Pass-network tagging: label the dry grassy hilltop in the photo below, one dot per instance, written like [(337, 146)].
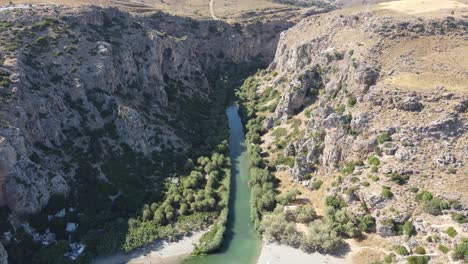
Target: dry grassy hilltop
[(234, 11)]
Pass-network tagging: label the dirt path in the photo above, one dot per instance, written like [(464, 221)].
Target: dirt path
[(212, 10)]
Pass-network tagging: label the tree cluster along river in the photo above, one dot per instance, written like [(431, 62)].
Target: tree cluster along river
[(240, 244)]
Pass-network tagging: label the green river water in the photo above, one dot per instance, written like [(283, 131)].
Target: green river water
[(240, 244)]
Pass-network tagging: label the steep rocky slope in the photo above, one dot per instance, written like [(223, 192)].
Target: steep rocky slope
[(371, 108), (99, 108), (85, 87)]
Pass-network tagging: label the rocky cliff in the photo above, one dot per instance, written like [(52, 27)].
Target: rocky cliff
[(373, 107), (82, 87)]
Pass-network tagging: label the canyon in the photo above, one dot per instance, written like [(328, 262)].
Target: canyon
[(109, 112)]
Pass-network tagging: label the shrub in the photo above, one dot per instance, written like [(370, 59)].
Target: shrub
[(366, 223), (373, 160), (378, 151), (454, 204), (418, 259), (424, 196), (408, 228), (10, 46), (348, 168), (383, 137), (386, 192), (42, 42), (459, 218), (5, 24), (4, 83), (335, 201), (443, 249), (398, 178), (283, 160), (340, 109), (288, 196), (317, 184), (305, 214), (388, 259), (420, 250), (451, 232), (44, 24), (279, 132), (435, 206), (402, 251), (351, 101), (433, 238), (461, 250)]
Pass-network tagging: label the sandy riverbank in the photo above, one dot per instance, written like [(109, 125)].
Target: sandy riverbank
[(274, 253), (161, 252)]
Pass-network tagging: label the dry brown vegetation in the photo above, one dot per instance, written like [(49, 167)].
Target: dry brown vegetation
[(232, 10)]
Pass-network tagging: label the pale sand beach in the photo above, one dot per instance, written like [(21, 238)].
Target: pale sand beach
[(274, 253), (161, 252)]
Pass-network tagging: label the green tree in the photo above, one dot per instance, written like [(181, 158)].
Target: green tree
[(323, 237)]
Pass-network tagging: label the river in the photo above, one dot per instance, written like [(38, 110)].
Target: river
[(241, 244)]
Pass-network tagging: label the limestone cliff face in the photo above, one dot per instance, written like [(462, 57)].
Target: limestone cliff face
[(367, 104), (318, 68), (93, 83)]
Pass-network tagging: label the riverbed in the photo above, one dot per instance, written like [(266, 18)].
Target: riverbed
[(241, 244)]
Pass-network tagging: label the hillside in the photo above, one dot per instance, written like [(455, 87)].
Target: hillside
[(369, 108), (101, 108)]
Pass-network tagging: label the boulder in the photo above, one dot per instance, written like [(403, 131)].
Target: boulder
[(290, 150), (300, 169), (449, 126), (385, 228), (445, 159), (409, 104), (461, 106), (374, 201), (389, 149), (367, 76), (403, 154), (360, 121), (419, 226)]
